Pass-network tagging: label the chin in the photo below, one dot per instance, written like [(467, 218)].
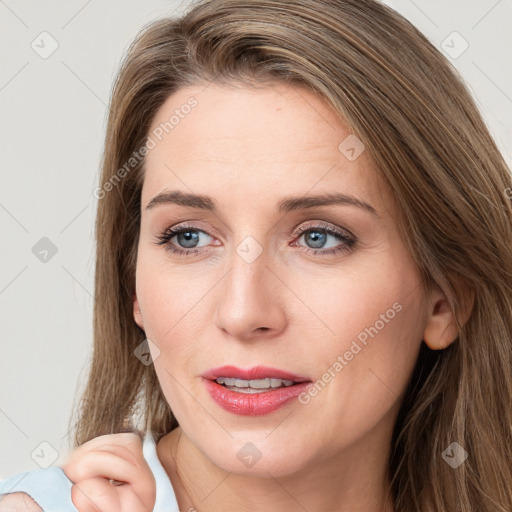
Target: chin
[(255, 456)]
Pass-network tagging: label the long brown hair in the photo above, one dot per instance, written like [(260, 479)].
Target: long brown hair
[(411, 109)]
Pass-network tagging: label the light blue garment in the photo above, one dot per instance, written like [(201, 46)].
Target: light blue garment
[(51, 488)]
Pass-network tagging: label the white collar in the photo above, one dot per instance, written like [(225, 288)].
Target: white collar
[(165, 496)]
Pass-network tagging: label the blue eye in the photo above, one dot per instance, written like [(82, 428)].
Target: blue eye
[(317, 235), (188, 236)]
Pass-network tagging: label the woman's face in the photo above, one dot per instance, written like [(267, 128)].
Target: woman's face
[(267, 276)]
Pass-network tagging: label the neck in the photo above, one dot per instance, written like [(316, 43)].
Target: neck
[(356, 479)]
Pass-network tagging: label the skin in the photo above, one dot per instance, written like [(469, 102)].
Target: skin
[(248, 148)]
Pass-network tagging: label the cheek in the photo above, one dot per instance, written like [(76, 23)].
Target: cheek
[(364, 371), (171, 298), (361, 293)]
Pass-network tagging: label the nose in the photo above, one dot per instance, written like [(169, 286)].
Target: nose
[(250, 304)]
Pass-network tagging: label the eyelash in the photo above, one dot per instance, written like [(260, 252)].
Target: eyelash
[(349, 240)]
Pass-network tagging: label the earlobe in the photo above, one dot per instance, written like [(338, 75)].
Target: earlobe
[(137, 314)]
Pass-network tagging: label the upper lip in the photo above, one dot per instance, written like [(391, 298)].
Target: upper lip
[(256, 372)]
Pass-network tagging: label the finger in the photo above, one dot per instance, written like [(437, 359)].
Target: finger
[(95, 495), (129, 439), (131, 452), (102, 463), (98, 495), (105, 464)]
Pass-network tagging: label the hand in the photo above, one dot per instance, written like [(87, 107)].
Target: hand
[(117, 457)]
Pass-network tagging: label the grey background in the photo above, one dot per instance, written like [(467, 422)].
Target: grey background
[(53, 117)]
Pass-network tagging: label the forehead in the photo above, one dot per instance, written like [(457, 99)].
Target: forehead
[(255, 142), (238, 117)]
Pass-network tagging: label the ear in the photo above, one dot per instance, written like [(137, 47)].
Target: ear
[(137, 314), (441, 329)]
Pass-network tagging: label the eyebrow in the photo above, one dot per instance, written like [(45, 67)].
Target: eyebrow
[(287, 204)]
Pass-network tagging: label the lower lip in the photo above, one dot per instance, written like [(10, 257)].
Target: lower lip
[(254, 404)]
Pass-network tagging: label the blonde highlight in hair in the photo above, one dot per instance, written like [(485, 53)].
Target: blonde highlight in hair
[(411, 109)]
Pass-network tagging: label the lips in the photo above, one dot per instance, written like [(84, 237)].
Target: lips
[(259, 401), (254, 373)]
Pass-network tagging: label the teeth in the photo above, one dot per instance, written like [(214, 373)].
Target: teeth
[(260, 383), (253, 386)]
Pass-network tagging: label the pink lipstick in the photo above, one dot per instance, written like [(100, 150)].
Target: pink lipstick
[(253, 391)]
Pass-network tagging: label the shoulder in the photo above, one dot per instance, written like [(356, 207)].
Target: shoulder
[(18, 502), (47, 489)]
